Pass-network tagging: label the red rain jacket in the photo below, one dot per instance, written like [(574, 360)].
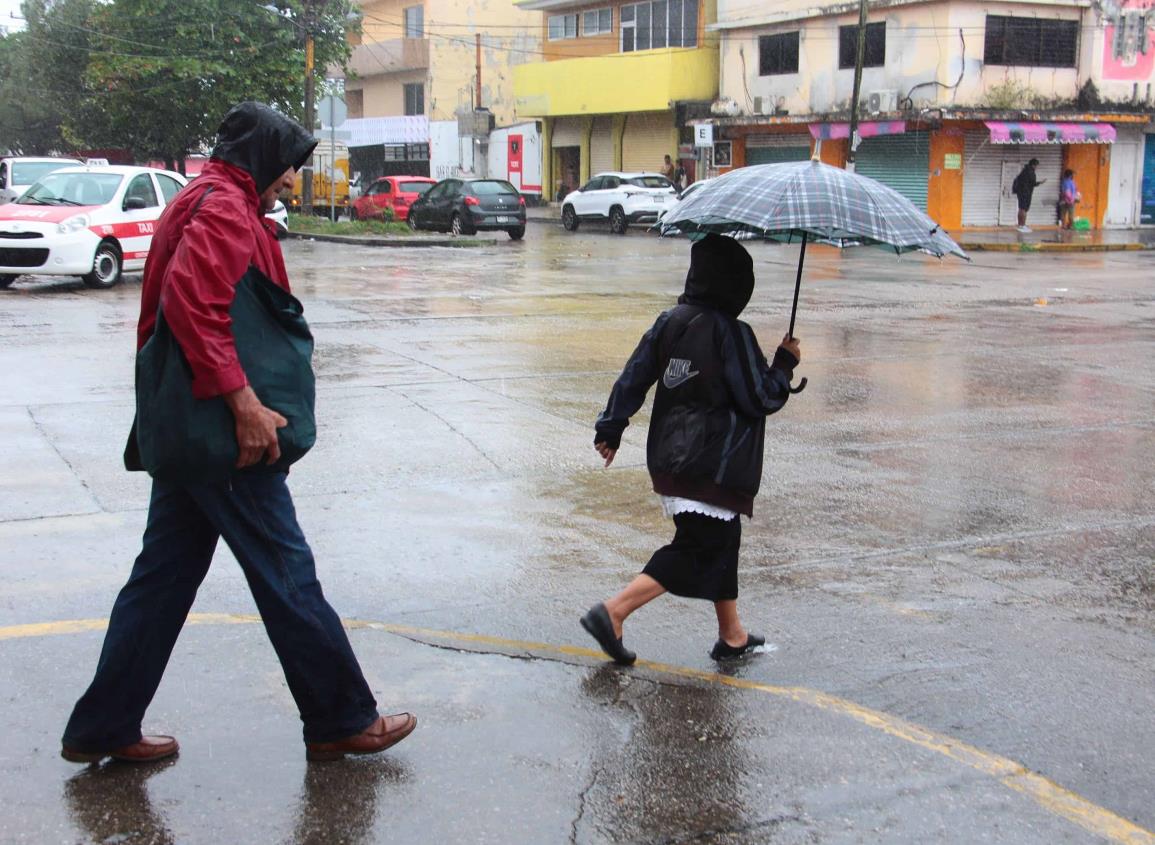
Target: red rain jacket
[(194, 265)]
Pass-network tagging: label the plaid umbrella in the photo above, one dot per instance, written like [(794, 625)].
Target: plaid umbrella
[(804, 201), (787, 201)]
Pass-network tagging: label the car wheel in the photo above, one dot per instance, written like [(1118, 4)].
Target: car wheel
[(6, 280), (412, 221), (569, 219), (617, 221), (516, 234), (455, 224), (353, 215), (106, 267)]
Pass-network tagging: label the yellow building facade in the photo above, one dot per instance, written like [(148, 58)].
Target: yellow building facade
[(616, 84)]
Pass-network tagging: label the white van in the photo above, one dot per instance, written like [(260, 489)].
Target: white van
[(19, 173)]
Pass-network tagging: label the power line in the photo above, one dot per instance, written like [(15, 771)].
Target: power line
[(170, 56)]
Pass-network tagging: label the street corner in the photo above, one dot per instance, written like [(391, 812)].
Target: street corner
[(516, 742)]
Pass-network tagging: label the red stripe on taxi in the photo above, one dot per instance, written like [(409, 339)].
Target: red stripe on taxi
[(135, 229)]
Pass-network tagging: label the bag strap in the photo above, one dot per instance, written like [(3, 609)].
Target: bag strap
[(200, 202)]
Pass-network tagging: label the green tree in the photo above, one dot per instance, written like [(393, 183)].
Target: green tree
[(41, 75), (154, 77), (166, 71)]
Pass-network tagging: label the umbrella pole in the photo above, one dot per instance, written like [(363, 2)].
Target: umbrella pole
[(794, 311), (797, 284)]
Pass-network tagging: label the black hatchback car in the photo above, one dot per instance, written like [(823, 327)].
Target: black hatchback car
[(466, 206)]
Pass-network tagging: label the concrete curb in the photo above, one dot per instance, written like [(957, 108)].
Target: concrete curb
[(386, 241), (1054, 247)]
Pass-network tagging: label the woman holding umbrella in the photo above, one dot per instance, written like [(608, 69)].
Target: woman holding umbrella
[(704, 450)]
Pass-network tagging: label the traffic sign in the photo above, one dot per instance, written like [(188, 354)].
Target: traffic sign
[(332, 111)]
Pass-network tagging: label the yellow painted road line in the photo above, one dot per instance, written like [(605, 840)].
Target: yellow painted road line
[(1046, 793)]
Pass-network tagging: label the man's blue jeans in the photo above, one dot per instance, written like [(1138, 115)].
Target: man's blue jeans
[(254, 514)]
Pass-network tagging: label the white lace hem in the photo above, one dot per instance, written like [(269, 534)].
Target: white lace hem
[(672, 505)]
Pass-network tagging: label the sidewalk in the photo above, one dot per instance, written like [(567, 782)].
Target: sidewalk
[(1006, 239), (1055, 240), (393, 240)]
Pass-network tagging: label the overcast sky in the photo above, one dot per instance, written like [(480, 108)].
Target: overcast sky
[(7, 9)]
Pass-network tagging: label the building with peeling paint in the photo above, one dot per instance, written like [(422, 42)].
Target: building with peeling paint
[(447, 64), (955, 98), (617, 84)]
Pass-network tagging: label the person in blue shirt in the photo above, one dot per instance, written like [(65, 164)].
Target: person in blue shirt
[(1068, 196)]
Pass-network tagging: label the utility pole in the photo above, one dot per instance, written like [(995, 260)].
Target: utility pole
[(313, 9), (477, 47), (310, 115), (858, 60)]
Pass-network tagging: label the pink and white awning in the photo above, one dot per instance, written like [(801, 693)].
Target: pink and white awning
[(867, 129), (1010, 132)]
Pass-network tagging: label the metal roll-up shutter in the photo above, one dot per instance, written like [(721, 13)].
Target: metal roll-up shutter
[(567, 132), (1126, 175), (901, 162), (1046, 198), (982, 178), (772, 149), (989, 170), (602, 145), (648, 139)]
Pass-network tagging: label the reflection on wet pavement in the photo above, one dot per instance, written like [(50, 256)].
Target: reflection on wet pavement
[(955, 527), (338, 803), (110, 803)]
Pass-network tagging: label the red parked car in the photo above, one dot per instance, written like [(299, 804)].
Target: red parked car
[(394, 192)]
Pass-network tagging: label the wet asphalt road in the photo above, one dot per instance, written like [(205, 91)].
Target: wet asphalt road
[(952, 555)]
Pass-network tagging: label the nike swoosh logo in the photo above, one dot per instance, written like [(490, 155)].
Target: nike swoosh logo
[(672, 381)]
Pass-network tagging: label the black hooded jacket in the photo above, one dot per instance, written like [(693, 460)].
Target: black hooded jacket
[(715, 388), (262, 142)]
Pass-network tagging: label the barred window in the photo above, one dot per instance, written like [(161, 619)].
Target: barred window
[(414, 98), (874, 55), (1030, 42), (778, 54)]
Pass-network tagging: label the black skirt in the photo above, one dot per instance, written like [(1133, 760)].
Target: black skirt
[(702, 560)]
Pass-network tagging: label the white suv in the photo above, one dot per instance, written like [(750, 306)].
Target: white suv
[(621, 198), (19, 173)]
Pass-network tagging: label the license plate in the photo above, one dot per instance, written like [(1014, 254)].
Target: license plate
[(502, 219)]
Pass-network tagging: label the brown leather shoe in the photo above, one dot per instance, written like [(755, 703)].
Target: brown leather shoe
[(386, 732), (147, 750)]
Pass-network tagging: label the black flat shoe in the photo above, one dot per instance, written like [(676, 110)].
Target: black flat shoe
[(597, 623), (724, 651)]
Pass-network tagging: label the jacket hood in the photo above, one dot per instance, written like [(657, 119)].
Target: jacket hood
[(262, 142), (721, 275)]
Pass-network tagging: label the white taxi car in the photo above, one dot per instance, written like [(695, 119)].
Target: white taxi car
[(93, 221), (621, 198)]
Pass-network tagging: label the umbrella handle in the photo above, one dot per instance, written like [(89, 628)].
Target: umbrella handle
[(801, 386)]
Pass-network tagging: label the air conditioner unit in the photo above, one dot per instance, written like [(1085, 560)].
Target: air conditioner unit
[(882, 101)]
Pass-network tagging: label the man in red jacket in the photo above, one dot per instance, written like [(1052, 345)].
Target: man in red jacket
[(206, 240)]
